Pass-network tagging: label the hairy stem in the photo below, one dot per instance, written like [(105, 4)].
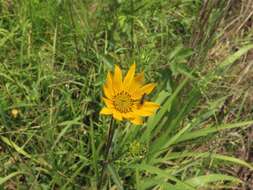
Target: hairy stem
[(107, 151)]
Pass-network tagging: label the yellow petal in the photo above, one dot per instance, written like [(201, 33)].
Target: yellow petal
[(129, 77), (105, 111), (109, 84), (117, 79), (108, 92), (139, 78), (109, 79), (108, 102), (128, 115), (150, 105), (137, 82), (144, 112), (117, 115), (137, 121), (147, 89), (147, 109)]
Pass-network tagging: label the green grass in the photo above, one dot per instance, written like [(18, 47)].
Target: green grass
[(54, 58)]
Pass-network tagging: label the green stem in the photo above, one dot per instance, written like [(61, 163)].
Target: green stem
[(107, 151)]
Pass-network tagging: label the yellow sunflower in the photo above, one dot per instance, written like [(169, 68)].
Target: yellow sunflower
[(124, 97)]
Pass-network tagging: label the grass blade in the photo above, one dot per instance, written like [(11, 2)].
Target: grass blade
[(201, 181), (115, 176), (8, 177)]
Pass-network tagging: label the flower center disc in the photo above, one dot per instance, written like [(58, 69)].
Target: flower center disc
[(123, 102)]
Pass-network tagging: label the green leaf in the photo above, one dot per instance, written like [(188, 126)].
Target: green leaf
[(232, 58), (161, 173), (115, 176), (65, 129), (23, 152), (201, 181), (163, 95), (152, 182), (165, 140), (166, 106), (209, 130), (8, 35), (182, 155), (8, 177)]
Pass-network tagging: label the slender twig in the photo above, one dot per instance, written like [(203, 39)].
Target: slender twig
[(107, 151)]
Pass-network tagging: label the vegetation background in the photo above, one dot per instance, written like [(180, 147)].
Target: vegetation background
[(54, 56)]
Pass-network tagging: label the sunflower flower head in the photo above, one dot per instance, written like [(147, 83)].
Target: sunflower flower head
[(124, 98)]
